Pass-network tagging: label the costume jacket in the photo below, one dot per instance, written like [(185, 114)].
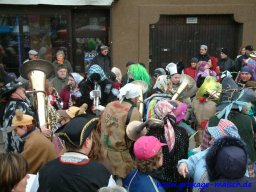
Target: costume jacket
[(73, 172), (38, 150), (115, 142), (137, 181), (12, 142)]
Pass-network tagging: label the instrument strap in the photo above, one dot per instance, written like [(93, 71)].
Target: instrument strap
[(129, 115)]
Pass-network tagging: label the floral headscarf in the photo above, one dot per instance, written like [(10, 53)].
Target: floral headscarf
[(161, 83), (164, 111)]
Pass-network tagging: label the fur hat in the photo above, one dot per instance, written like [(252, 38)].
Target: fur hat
[(227, 158), (20, 119), (73, 111)]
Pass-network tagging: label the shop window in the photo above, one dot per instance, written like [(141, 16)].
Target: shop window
[(43, 33)]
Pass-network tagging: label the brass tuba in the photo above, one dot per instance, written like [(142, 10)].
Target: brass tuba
[(187, 88), (37, 71)]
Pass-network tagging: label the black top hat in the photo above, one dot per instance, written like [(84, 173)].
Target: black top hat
[(78, 129)]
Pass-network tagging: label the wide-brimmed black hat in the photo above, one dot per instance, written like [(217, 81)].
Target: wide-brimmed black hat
[(234, 96), (10, 87), (78, 129)]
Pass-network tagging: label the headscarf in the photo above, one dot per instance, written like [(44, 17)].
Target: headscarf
[(117, 71), (161, 83), (201, 71), (164, 111), (96, 69), (77, 77), (129, 91)]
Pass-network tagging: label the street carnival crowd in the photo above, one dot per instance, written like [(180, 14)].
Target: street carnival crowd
[(180, 129)]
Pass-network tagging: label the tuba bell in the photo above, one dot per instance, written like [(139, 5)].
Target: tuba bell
[(187, 88), (37, 71)]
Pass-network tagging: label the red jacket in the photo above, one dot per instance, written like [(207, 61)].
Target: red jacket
[(190, 71)]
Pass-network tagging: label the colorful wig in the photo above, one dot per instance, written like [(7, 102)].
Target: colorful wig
[(139, 72)]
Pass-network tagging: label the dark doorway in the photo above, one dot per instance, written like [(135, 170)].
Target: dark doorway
[(178, 38)]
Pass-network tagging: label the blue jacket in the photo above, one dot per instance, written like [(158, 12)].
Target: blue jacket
[(137, 181)]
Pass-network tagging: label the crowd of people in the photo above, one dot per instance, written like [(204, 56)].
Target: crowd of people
[(190, 129)]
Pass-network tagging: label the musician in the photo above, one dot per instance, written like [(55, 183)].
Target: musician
[(71, 94), (38, 150), (96, 76), (114, 120), (204, 104), (13, 97), (176, 82)]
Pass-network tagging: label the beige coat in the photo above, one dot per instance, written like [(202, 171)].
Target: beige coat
[(38, 150), (115, 142)]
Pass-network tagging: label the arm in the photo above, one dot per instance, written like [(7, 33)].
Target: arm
[(187, 167)]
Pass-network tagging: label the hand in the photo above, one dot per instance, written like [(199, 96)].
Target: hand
[(100, 108), (183, 169), (46, 132)]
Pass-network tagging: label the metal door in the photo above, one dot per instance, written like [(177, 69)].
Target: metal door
[(178, 38)]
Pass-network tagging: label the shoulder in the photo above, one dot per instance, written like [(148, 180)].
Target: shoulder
[(98, 167)]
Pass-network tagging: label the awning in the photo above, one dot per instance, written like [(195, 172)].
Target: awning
[(58, 2)]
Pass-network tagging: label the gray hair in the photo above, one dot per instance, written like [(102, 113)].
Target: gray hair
[(112, 189), (60, 52)]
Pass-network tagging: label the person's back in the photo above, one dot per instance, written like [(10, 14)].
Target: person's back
[(74, 171), (137, 181), (62, 175)]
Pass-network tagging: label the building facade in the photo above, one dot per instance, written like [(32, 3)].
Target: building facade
[(154, 32)]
